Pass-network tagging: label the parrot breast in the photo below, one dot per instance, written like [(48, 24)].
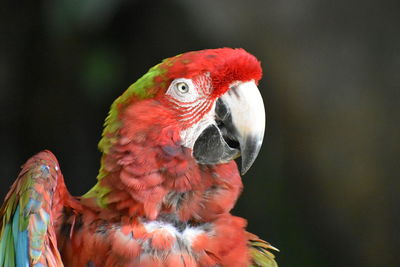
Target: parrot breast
[(166, 241)]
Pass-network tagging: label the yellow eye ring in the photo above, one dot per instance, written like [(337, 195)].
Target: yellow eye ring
[(182, 87)]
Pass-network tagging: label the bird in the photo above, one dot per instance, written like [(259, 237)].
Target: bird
[(168, 178)]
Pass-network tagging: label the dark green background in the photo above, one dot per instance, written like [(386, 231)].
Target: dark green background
[(325, 187)]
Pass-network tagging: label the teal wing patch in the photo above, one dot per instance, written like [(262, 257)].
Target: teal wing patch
[(27, 237)]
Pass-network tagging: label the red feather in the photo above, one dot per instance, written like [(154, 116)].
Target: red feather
[(154, 205), (225, 65)]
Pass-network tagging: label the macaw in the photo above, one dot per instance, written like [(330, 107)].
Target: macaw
[(168, 177)]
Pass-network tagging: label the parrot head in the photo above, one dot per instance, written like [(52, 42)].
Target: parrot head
[(207, 101)]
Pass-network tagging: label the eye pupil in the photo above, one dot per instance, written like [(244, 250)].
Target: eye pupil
[(183, 87)]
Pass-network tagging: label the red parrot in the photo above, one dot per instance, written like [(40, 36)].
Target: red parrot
[(167, 180)]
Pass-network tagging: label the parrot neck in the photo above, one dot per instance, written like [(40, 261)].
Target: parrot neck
[(147, 172)]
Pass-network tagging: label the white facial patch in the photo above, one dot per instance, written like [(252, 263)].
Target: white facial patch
[(190, 134), (191, 98)]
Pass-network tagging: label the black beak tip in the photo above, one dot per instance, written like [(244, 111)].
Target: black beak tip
[(245, 165), (249, 154)]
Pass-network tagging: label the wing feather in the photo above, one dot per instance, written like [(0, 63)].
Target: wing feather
[(27, 236), (260, 252)]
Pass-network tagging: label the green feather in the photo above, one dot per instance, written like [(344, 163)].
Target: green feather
[(141, 89), (7, 256), (261, 255), (11, 250), (9, 210), (99, 193), (3, 243)]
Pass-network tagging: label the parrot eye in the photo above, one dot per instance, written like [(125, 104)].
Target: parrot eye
[(182, 87), (182, 90)]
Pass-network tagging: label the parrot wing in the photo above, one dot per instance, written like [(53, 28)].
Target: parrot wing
[(260, 252), (27, 236)]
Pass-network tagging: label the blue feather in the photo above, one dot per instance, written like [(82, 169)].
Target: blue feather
[(7, 252), (32, 206), (35, 253), (38, 230), (22, 249), (26, 215), (15, 226), (20, 242)]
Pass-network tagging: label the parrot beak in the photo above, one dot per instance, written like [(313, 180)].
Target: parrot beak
[(239, 129)]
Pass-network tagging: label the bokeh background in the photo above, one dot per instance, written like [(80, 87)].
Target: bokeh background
[(325, 187)]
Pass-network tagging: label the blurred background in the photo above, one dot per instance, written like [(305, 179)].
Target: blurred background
[(325, 187)]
